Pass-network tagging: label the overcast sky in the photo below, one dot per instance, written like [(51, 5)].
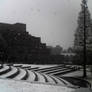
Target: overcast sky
[(54, 21)]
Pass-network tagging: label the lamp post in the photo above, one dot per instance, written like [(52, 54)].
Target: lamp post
[(84, 48)]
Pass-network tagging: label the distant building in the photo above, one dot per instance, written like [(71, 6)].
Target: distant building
[(13, 27), (55, 50), (18, 44)]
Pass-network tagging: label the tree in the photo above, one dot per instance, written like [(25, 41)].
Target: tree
[(79, 34), (83, 35)]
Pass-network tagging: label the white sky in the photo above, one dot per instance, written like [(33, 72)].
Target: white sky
[(54, 21)]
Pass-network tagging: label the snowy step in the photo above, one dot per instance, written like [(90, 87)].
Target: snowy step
[(63, 72), (45, 70), (31, 76), (26, 76), (49, 79), (36, 68), (53, 80), (22, 74), (49, 68), (26, 67), (56, 70), (65, 82), (17, 65), (46, 78), (59, 71), (5, 69), (58, 80), (39, 77), (42, 78), (1, 66), (11, 74)]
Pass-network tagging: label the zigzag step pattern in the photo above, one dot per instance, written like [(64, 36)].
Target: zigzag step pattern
[(44, 75)]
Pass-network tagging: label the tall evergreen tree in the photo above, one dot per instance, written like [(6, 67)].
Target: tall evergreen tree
[(83, 36), (79, 34)]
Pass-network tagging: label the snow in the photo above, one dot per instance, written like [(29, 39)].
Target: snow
[(34, 65), (20, 75), (29, 85), (79, 74), (50, 80), (31, 76), (40, 77), (4, 68), (52, 70), (22, 86), (75, 73), (62, 71), (13, 71), (58, 81)]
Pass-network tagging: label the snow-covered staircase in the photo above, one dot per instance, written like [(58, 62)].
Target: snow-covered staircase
[(33, 74)]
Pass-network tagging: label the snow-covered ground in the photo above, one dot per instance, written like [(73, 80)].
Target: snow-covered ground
[(7, 85), (13, 70), (80, 74), (43, 83), (35, 65)]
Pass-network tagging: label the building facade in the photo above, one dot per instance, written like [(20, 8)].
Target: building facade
[(18, 45)]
